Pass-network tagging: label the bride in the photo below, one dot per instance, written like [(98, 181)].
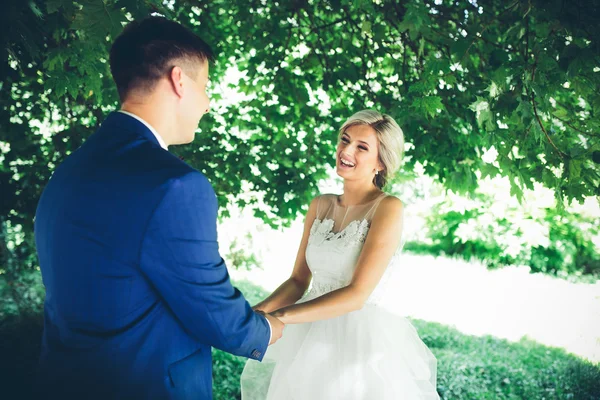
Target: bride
[(339, 342)]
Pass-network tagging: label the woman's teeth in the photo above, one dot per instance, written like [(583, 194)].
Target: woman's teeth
[(346, 163)]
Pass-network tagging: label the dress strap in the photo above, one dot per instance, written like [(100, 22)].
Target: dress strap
[(324, 204), (371, 212), (344, 219)]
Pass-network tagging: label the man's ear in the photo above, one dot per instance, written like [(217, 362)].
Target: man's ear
[(176, 79)]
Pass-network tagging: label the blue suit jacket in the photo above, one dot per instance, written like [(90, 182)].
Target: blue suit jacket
[(136, 291)]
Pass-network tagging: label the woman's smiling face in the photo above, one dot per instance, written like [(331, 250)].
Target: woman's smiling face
[(357, 155)]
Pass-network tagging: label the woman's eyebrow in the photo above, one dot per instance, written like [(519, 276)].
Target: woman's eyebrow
[(361, 141)]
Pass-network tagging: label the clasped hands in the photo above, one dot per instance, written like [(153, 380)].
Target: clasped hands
[(276, 324)]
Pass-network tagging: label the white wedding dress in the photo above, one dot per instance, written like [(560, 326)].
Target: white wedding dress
[(369, 354)]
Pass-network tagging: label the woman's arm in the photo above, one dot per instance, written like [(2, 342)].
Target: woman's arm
[(290, 291), (382, 242)]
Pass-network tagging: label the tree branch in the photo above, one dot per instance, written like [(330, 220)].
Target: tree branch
[(324, 61), (574, 128), (535, 111), (318, 28), (485, 27)]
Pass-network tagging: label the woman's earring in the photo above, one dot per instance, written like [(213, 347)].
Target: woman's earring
[(376, 172)]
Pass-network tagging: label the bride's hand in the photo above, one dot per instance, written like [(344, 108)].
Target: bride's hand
[(280, 315), (260, 308)]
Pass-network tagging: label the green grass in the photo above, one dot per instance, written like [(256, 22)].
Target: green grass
[(469, 367)]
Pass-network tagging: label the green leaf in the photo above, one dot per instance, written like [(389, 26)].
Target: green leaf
[(421, 87), (596, 103), (35, 10), (525, 109), (53, 6), (560, 112), (548, 178), (99, 19), (493, 90), (415, 20), (479, 105), (459, 48), (515, 190), (489, 170), (366, 27), (428, 105), (450, 79), (139, 9), (483, 114), (54, 61), (574, 170), (462, 180)]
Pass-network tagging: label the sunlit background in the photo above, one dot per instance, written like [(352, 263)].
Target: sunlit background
[(505, 302), (511, 302)]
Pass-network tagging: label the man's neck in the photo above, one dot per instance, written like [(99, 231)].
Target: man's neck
[(153, 118)]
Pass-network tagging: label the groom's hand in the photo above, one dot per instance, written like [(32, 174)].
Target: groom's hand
[(276, 328)]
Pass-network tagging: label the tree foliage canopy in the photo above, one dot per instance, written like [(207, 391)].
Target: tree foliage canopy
[(518, 79)]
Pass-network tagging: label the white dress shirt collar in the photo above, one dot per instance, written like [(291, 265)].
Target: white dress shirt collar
[(160, 139)]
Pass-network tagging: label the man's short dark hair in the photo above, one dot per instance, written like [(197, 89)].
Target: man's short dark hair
[(146, 51)]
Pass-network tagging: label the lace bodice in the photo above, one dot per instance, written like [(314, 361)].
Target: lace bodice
[(332, 257)]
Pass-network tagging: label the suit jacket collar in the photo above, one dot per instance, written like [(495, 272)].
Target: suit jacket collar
[(156, 134), (122, 121)]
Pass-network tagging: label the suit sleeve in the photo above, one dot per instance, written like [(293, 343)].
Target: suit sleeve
[(180, 256)]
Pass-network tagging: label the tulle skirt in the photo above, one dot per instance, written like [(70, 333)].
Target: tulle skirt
[(367, 354)]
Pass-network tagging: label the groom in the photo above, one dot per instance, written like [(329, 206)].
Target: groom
[(136, 291)]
